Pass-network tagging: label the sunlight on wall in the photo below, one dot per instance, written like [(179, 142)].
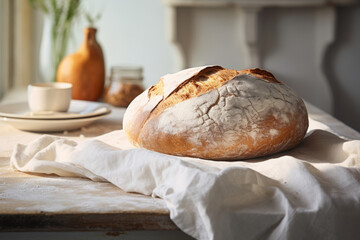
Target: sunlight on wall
[(130, 33)]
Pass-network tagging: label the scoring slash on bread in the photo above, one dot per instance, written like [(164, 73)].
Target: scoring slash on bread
[(215, 113)]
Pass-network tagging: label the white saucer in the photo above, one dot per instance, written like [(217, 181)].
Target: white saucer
[(77, 109), (81, 113), (49, 125)]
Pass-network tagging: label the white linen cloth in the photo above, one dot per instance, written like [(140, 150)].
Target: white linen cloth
[(310, 192)]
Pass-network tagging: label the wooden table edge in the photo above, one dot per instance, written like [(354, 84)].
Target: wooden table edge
[(85, 222)]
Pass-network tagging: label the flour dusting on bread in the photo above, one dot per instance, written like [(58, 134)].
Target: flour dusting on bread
[(222, 114)]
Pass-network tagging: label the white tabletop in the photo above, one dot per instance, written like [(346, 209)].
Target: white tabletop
[(25, 197), (31, 202)]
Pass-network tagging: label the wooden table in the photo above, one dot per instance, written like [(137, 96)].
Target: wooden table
[(47, 203)]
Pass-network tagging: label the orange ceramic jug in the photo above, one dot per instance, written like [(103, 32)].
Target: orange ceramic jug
[(84, 69)]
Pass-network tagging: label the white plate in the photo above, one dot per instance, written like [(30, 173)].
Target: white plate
[(78, 109), (45, 125)]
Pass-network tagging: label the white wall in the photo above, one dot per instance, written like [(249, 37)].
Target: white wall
[(134, 32), (131, 32), (343, 66)]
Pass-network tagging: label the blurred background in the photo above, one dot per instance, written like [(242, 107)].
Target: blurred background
[(311, 45)]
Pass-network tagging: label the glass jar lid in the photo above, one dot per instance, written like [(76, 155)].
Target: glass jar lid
[(128, 72)]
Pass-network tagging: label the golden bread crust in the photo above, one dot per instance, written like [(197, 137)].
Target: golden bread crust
[(218, 114)]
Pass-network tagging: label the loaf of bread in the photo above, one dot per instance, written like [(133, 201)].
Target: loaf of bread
[(215, 113)]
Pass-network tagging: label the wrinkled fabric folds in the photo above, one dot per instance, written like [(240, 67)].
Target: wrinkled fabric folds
[(310, 192)]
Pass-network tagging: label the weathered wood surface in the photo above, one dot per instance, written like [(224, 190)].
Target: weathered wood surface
[(30, 202), (39, 203)]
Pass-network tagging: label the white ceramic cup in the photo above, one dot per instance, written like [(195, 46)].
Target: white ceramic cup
[(54, 96)]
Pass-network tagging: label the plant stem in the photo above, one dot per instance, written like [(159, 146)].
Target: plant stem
[(62, 13)]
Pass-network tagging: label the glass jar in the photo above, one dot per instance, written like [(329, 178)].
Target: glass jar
[(125, 84)]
